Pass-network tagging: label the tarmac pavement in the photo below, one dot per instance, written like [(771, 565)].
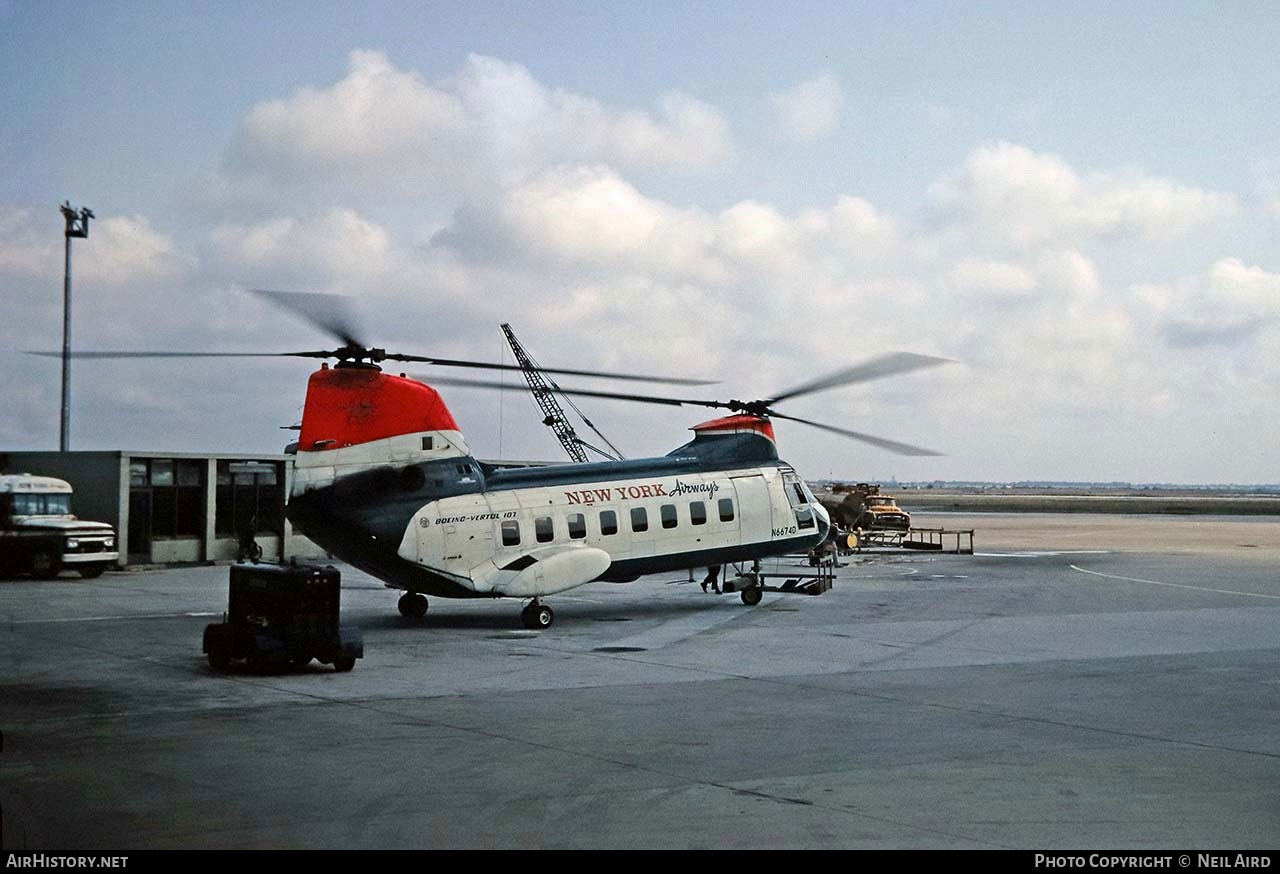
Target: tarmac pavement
[(1026, 697)]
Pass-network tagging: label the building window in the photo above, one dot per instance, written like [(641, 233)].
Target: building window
[(577, 526), (511, 533), (174, 490), (639, 519), (698, 513), (668, 512), (726, 509), (608, 522), (543, 530), (249, 493)]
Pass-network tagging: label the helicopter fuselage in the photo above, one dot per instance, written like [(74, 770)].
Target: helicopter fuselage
[(419, 512)]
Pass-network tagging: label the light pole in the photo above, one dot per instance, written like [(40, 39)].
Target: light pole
[(77, 226)]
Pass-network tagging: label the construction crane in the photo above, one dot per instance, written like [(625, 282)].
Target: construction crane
[(543, 389)]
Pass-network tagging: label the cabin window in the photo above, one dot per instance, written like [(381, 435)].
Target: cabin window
[(698, 513), (426, 444), (543, 530), (804, 518), (511, 533), (726, 509), (608, 522), (639, 519), (577, 526), (800, 495), (668, 512)]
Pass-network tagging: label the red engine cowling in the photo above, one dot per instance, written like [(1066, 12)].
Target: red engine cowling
[(346, 406)]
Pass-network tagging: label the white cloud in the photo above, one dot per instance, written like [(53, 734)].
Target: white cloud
[(994, 278), (328, 248), (1223, 307), (1019, 197), (490, 122), (119, 249), (126, 249), (591, 216), (30, 245), (809, 110)]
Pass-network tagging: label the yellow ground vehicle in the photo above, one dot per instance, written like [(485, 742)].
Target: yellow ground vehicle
[(865, 508)]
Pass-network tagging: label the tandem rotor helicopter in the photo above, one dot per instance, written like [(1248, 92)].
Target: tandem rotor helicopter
[(383, 479)]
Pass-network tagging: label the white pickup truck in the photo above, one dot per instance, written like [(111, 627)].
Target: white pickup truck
[(38, 534)]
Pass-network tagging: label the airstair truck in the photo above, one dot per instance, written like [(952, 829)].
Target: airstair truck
[(39, 536)]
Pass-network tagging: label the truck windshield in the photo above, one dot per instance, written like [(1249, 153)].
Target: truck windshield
[(42, 505)]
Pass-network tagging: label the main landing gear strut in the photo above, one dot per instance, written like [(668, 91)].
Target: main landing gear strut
[(537, 616), (413, 605)]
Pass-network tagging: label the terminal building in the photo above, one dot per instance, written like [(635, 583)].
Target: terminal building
[(176, 507)]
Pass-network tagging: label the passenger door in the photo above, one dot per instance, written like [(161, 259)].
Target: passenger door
[(755, 508)]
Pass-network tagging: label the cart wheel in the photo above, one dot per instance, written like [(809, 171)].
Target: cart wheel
[(751, 597), (343, 663), (219, 658)]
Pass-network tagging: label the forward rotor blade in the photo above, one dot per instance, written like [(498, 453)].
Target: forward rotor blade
[(876, 368), (581, 392), (326, 353), (891, 445), (330, 313), (486, 365), (100, 354)]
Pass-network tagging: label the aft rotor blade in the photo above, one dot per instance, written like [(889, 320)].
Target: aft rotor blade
[(330, 313), (487, 365), (891, 445), (581, 392), (876, 368)]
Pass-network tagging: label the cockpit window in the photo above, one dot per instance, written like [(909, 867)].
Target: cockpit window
[(795, 492)]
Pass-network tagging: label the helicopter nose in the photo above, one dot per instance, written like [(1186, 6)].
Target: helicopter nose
[(824, 520)]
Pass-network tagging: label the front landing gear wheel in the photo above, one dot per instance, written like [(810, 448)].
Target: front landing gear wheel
[(751, 597), (412, 605), (538, 617)]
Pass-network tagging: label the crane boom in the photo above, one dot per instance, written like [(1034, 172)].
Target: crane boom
[(553, 414)]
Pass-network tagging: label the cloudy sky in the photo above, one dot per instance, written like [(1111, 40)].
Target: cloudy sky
[(1077, 203)]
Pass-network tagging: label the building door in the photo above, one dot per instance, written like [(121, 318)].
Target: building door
[(139, 526)]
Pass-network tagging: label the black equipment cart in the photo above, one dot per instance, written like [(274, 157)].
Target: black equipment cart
[(283, 615)]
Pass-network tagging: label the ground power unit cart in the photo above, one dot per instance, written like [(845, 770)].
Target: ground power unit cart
[(281, 616)]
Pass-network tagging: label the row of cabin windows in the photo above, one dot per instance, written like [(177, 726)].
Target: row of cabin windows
[(544, 528)]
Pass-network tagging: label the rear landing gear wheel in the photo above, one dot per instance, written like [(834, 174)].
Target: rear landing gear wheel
[(751, 597), (538, 617), (412, 605)]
